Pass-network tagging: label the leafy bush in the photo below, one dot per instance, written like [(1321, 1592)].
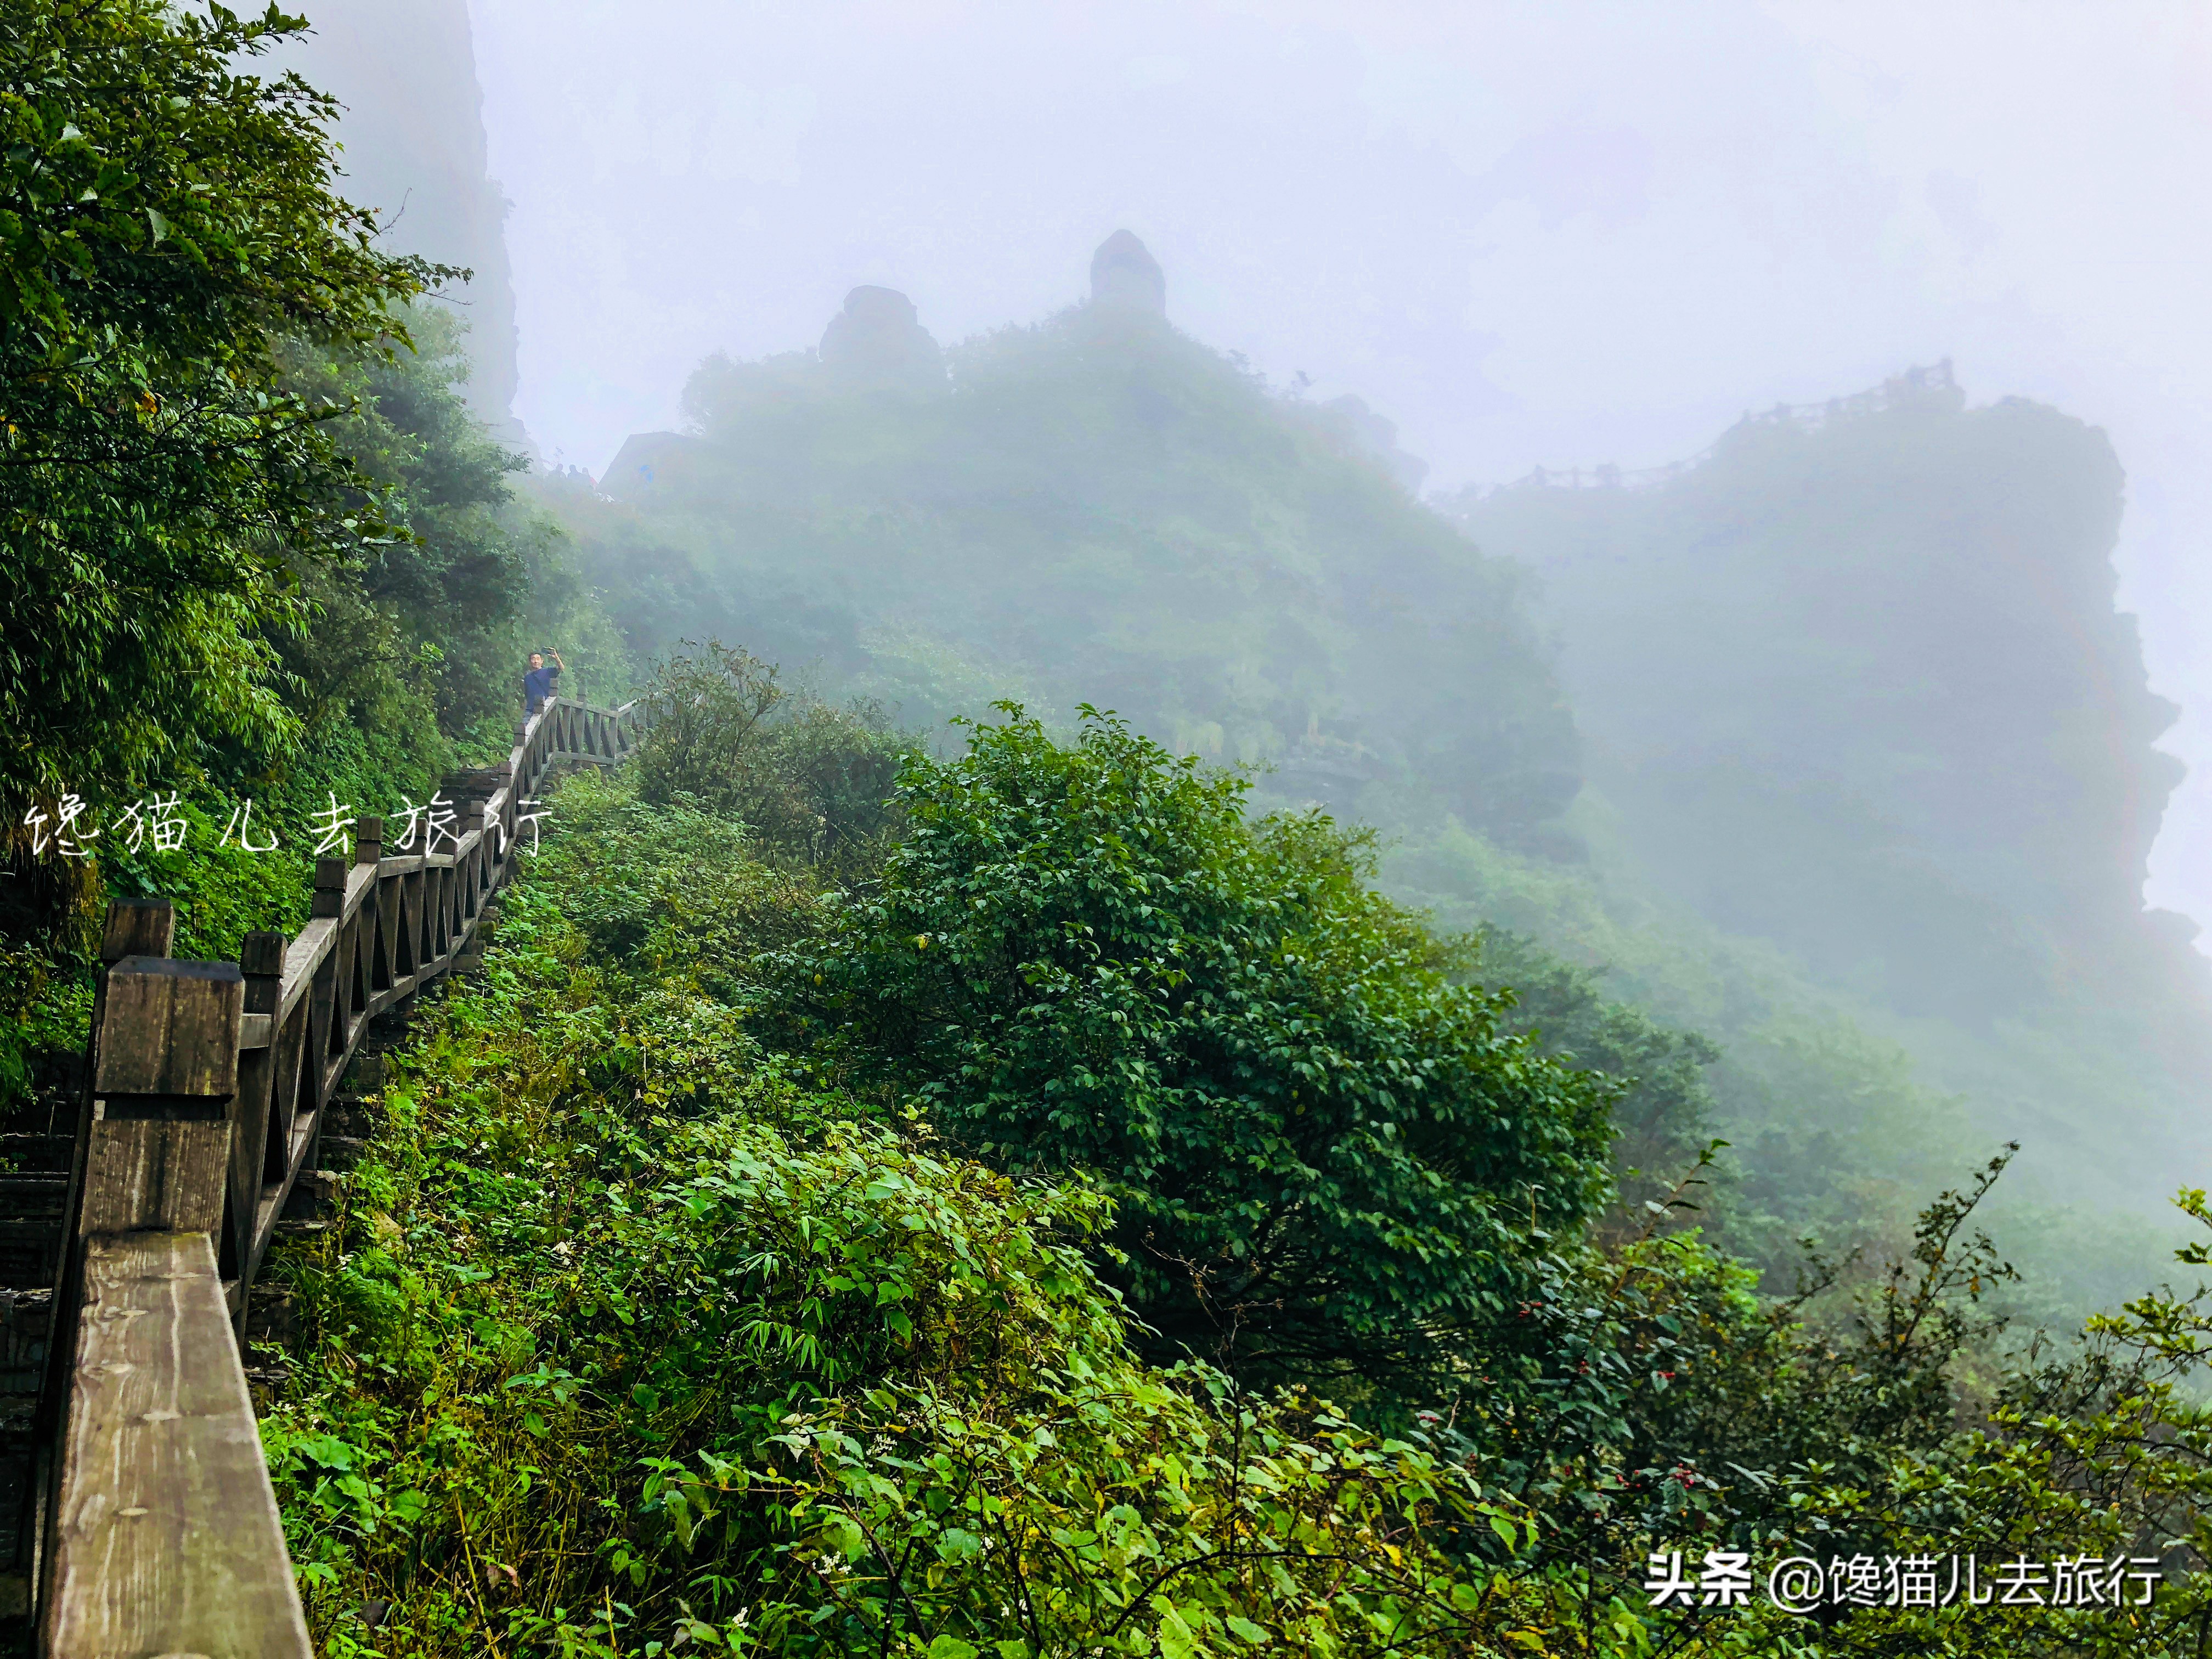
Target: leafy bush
[(1328, 1158), (637, 1330), (434, 606), (607, 1361), (812, 783), (1662, 1117)]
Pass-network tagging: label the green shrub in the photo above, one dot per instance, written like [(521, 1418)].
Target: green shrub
[(1328, 1158), (811, 782), (638, 1330), (607, 1362)]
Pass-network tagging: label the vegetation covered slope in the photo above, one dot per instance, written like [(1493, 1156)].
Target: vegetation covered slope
[(252, 546), (1862, 719), (1888, 649), (661, 1317), (1869, 780), (1097, 509)]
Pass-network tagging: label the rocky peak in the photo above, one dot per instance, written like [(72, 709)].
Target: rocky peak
[(1123, 272), (878, 339)]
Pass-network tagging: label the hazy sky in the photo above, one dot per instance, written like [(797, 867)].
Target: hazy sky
[(1530, 233)]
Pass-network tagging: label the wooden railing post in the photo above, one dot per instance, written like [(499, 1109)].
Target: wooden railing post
[(134, 927), (139, 929), (375, 939), (368, 840), (168, 1069), (261, 960), (166, 1537), (330, 995), (468, 872)]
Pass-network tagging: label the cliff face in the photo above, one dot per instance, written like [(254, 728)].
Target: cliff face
[(414, 150), (1861, 689)]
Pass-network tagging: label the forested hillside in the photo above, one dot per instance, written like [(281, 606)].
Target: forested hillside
[(294, 576), (1832, 749), (1854, 693), (1093, 508), (1886, 646), (1109, 1226)]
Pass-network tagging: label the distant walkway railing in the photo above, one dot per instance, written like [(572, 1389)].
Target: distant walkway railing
[(1917, 386), (209, 1080)]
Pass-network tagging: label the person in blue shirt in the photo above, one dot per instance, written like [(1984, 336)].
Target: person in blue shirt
[(538, 683)]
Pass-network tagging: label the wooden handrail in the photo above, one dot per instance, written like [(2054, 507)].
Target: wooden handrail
[(157, 1526)]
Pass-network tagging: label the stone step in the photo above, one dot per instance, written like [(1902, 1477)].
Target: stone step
[(33, 1192), (314, 1196), (270, 1315), (38, 1154), (352, 1117), (266, 1385)]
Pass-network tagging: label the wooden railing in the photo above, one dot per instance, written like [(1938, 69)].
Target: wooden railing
[(209, 1082)]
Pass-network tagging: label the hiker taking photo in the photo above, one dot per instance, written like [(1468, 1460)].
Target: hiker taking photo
[(538, 683)]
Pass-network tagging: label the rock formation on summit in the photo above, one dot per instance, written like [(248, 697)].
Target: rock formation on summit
[(1124, 273), (415, 152), (878, 339)]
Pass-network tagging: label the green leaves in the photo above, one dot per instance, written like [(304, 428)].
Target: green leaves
[(167, 221), (1266, 1064), (1111, 1509), (809, 781), (764, 1459)]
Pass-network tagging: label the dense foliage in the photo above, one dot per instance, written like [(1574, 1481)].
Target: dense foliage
[(1325, 1153), (642, 1332), (637, 1334), (254, 546), (1095, 508), (436, 606), (809, 781), (167, 222), (401, 665)]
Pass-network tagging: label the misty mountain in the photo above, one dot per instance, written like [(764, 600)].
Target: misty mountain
[(414, 152), (1858, 681), (1097, 508), (1831, 744)]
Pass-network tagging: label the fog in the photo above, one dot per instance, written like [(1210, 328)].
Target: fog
[(1559, 236)]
